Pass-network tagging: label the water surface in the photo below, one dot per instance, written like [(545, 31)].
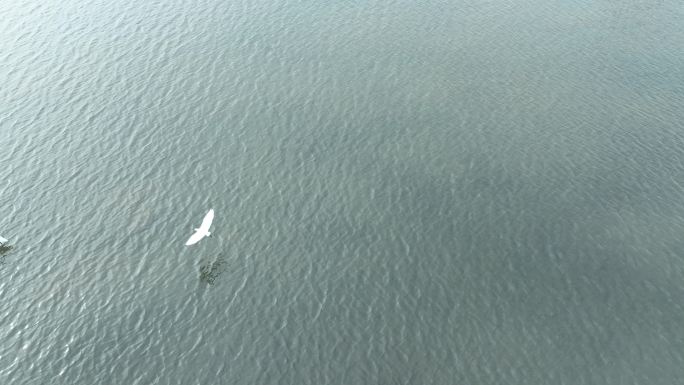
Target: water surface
[(433, 192)]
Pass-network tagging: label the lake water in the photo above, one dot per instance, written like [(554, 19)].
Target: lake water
[(406, 192)]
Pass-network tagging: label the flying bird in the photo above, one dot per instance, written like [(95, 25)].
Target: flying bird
[(203, 230)]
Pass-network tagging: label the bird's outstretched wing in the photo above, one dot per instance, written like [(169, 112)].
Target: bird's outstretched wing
[(195, 238), (206, 222)]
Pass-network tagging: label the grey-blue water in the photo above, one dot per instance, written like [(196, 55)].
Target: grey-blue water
[(406, 192)]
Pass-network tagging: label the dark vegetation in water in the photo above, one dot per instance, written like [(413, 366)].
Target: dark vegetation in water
[(209, 272), (3, 250)]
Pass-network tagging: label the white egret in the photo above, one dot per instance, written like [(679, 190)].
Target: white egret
[(203, 230)]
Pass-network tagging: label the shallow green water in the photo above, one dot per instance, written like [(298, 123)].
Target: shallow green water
[(423, 192)]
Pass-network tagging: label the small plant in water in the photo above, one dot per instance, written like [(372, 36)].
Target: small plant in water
[(209, 272), (4, 249)]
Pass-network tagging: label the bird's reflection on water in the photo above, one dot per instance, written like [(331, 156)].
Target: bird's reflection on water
[(209, 272)]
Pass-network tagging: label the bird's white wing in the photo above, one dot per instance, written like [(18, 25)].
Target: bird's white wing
[(3, 240), (195, 238), (206, 222)]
